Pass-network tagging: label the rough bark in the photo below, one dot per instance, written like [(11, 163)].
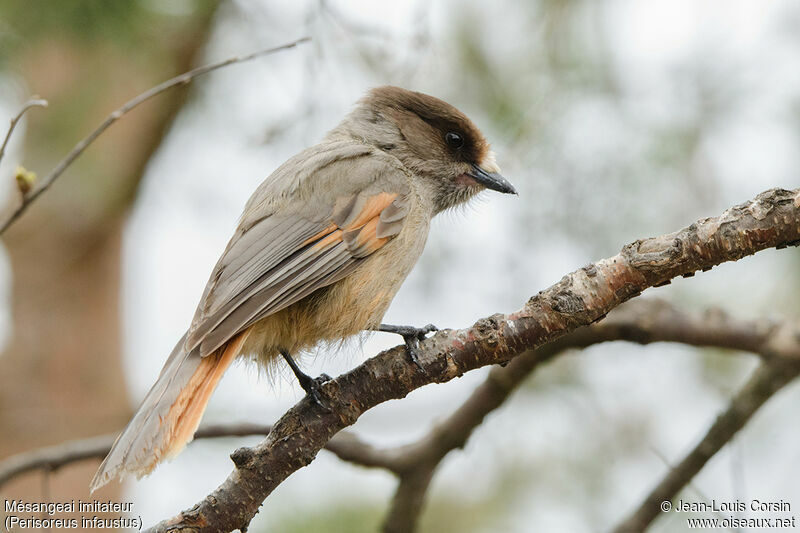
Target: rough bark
[(639, 321), (772, 219)]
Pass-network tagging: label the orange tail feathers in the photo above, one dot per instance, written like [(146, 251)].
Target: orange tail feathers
[(170, 413), (186, 412)]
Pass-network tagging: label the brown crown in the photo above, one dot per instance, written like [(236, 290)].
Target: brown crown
[(435, 112)]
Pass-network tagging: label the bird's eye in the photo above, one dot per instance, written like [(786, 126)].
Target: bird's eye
[(454, 140)]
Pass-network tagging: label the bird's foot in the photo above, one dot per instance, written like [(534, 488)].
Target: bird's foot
[(312, 386), (411, 335), (314, 390)]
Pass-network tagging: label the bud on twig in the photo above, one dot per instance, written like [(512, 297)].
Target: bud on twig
[(25, 179)]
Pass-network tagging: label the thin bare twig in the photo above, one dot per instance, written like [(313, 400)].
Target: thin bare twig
[(52, 458), (346, 446), (33, 102), (582, 297), (119, 113)]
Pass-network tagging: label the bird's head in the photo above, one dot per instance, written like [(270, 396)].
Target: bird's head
[(433, 139)]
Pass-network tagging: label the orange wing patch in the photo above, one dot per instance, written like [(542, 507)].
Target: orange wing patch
[(320, 235), (332, 238), (363, 241), (369, 208), (360, 222)]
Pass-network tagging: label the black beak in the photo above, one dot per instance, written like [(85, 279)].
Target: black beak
[(491, 180)]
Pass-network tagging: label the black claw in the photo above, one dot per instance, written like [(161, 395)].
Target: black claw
[(412, 343), (312, 386), (411, 335), (430, 328), (314, 391)]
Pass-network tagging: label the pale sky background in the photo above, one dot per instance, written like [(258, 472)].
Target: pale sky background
[(556, 446), (215, 156)]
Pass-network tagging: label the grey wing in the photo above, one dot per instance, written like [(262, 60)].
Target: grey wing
[(308, 243)]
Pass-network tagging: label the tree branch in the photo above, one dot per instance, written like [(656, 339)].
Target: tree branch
[(33, 102), (186, 77), (640, 321), (772, 219), (344, 445), (52, 458), (766, 380)]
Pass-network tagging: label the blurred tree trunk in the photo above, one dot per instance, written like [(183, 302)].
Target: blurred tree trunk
[(62, 375)]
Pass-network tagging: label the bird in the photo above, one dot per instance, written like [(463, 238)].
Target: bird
[(320, 251)]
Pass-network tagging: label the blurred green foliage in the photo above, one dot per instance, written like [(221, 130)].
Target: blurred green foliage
[(85, 22), (442, 513), (350, 517)]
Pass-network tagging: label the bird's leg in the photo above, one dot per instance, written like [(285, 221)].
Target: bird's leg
[(309, 384), (411, 335)]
